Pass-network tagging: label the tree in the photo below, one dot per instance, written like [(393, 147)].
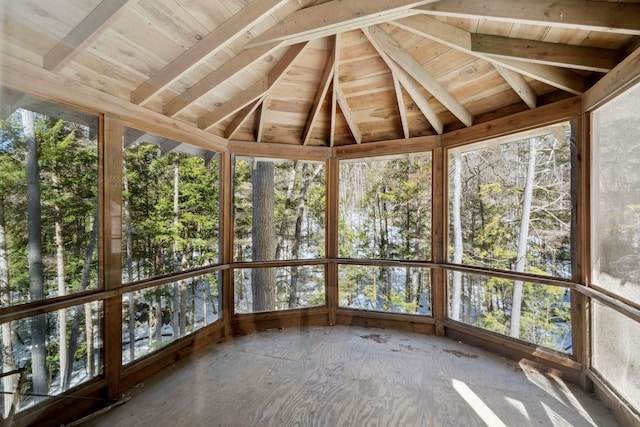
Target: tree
[(523, 236), (457, 236), (263, 280), (34, 250)]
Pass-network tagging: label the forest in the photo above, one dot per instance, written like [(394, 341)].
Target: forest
[(509, 209)]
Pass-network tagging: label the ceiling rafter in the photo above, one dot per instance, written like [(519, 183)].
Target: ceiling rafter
[(216, 78), (398, 54), (334, 104), (410, 85), (577, 14), (456, 38), (335, 17), (518, 84), (539, 52), (242, 117), (321, 93), (305, 24), (212, 43), (401, 108), (258, 91), (346, 112), (83, 34)]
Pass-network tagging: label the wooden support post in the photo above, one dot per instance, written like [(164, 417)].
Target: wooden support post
[(580, 303), (438, 237), (331, 243), (111, 237), (226, 238)]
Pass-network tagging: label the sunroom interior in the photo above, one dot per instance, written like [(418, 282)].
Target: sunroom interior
[(196, 170)]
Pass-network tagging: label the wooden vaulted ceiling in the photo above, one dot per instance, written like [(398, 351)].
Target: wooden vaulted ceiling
[(325, 72)]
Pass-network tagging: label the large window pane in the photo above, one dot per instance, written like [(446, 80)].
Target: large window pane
[(385, 208), (279, 209), (47, 359), (154, 317), (48, 202), (282, 288), (510, 203), (487, 302), (615, 201), (387, 289), (170, 206), (615, 351)]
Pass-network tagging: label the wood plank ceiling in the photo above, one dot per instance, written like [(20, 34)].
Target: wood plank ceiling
[(326, 73)]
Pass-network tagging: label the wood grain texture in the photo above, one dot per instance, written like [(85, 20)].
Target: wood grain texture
[(339, 376)]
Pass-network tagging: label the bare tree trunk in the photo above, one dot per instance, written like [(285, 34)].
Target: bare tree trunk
[(10, 382), (297, 235), (75, 327), (158, 311), (34, 251), (126, 217), (521, 255), (175, 313), (88, 327), (284, 223), (62, 313), (263, 280), (456, 297)]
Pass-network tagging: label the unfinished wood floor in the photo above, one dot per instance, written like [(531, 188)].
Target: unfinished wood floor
[(353, 376)]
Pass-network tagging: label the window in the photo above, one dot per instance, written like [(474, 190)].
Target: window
[(48, 170), (388, 289), (510, 209), (615, 351), (170, 207), (385, 208), (281, 288), (615, 198), (154, 317), (487, 303), (49, 247), (510, 203), (615, 247), (385, 214), (279, 209)]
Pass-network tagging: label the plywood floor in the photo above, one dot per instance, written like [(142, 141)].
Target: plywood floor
[(352, 376)]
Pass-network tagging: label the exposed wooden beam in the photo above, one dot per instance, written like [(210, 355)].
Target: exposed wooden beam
[(274, 76), (258, 90), (346, 111), (519, 85), (242, 117), (623, 77), (286, 62), (404, 59), (457, 38), (558, 54), (259, 121), (83, 34), (211, 44), (22, 76), (335, 17), (591, 15), (321, 93), (410, 85), (335, 82), (560, 78), (216, 78), (413, 89), (401, 107)]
